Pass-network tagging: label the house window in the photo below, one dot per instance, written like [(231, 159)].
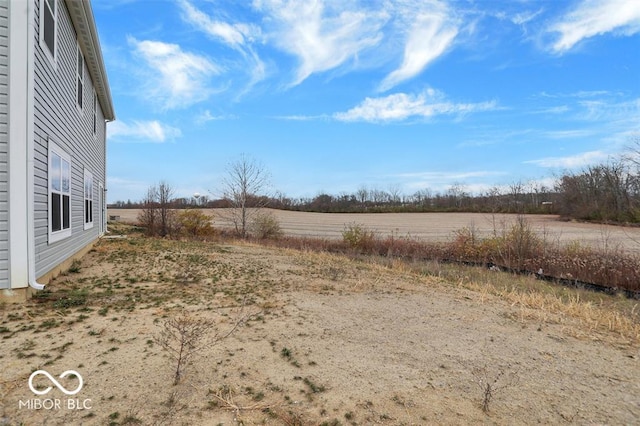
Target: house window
[(88, 199), (79, 78), (48, 11), (59, 193)]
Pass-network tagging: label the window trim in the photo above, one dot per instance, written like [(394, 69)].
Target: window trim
[(79, 78), (51, 56), (88, 200), (55, 150)]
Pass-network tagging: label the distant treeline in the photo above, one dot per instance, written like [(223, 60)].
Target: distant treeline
[(608, 192)]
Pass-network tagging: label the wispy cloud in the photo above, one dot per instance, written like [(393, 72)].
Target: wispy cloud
[(142, 132), (239, 36), (174, 78), (321, 35), (559, 109), (568, 134), (448, 176), (470, 181), (595, 17), (206, 117), (581, 94), (402, 106), (525, 17), (571, 161), (432, 29), (236, 35), (626, 111)]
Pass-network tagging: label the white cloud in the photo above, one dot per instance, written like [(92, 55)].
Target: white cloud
[(174, 78), (595, 17), (626, 111), (568, 134), (448, 176), (324, 35), (442, 181), (581, 94), (431, 31), (239, 36), (560, 109), (572, 161), (142, 131), (321, 35), (206, 116), (235, 35), (402, 106), (525, 17)]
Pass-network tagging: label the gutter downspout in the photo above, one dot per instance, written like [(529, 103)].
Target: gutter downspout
[(31, 237)]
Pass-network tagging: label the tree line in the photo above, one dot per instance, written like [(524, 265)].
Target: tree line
[(608, 192)]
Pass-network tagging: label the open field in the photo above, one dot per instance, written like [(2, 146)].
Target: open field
[(325, 340), (435, 226)]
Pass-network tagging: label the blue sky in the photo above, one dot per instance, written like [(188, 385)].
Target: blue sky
[(332, 96)]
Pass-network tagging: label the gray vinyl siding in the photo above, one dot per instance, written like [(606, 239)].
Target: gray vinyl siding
[(57, 117), (4, 144)]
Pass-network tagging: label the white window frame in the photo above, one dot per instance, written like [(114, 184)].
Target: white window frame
[(52, 56), (79, 78), (56, 151), (88, 200)]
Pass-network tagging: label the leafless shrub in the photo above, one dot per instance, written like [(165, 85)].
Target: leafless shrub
[(148, 216), (520, 244), (491, 379), (491, 384), (184, 336), (265, 225)]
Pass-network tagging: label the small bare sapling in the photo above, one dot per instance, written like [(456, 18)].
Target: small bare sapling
[(183, 336)]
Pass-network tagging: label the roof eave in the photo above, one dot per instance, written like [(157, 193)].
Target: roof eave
[(84, 24)]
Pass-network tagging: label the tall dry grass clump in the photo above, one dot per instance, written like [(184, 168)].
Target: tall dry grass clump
[(359, 237)]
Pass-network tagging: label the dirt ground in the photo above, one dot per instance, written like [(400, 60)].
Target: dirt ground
[(435, 226), (326, 340)]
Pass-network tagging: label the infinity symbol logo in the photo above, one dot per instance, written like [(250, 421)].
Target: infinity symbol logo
[(55, 382)]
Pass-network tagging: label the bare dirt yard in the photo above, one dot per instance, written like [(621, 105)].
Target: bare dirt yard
[(434, 226), (323, 339)]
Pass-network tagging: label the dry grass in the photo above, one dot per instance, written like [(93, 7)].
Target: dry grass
[(536, 300), (188, 267), (127, 287)]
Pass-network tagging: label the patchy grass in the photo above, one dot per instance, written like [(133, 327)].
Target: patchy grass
[(105, 317)]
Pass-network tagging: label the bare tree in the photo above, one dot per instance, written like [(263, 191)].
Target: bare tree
[(457, 194), (165, 196), (156, 214), (395, 194), (242, 187), (148, 216), (362, 195)]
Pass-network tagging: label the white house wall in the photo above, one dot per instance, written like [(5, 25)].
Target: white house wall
[(57, 117), (4, 145)]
